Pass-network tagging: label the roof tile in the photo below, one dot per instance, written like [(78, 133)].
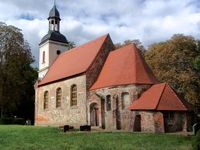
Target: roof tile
[(74, 61), (160, 97), (124, 66)]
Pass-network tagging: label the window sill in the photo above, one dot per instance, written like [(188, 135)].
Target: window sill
[(74, 107)]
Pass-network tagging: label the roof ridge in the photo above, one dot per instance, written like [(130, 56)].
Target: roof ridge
[(127, 55), (89, 50), (136, 50), (106, 38), (161, 94), (82, 45)]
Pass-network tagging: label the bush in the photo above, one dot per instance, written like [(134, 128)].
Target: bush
[(19, 121), (196, 141)]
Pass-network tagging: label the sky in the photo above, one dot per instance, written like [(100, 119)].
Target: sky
[(150, 21)]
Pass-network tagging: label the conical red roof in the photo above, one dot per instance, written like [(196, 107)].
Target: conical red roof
[(74, 61), (160, 97), (124, 66)]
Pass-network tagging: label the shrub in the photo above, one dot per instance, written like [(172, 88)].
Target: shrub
[(196, 141), (19, 121)]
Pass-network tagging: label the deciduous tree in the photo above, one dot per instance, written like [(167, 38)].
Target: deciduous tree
[(173, 61), (136, 42), (17, 76)]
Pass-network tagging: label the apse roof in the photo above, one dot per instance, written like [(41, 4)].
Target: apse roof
[(160, 97), (124, 66)]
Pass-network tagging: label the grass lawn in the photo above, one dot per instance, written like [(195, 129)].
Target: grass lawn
[(47, 138)]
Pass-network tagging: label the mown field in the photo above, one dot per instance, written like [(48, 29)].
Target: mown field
[(48, 138)]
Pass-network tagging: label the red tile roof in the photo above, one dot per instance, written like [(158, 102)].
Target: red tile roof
[(74, 61), (160, 97), (124, 66)]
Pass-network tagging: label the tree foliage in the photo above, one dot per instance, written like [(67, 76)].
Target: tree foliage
[(196, 63), (176, 61), (136, 42), (71, 44), (17, 77)]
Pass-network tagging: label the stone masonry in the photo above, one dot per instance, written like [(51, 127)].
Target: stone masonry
[(66, 114), (117, 117)]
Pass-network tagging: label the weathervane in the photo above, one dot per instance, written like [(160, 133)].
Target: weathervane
[(54, 2)]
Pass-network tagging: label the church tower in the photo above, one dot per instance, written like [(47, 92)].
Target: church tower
[(52, 44)]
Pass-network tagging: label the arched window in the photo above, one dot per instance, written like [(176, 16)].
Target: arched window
[(73, 95), (58, 97), (125, 100), (43, 57), (46, 99), (58, 52), (108, 102)]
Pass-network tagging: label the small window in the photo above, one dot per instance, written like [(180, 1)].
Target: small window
[(58, 97), (125, 100), (43, 57), (73, 95), (56, 22), (108, 102), (170, 117), (58, 52), (46, 99), (52, 21)]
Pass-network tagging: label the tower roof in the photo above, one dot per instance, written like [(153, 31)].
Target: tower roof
[(54, 13), (160, 97), (124, 66), (54, 36)]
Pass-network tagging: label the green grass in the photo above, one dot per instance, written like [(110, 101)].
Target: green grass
[(47, 138)]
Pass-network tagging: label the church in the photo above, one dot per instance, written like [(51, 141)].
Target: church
[(96, 84)]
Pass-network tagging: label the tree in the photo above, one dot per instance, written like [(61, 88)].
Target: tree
[(172, 61), (71, 44), (136, 42), (196, 63), (17, 76)]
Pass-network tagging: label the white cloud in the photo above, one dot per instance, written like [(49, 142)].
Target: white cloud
[(82, 20)]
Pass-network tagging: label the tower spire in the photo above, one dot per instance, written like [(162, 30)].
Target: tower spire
[(54, 19)]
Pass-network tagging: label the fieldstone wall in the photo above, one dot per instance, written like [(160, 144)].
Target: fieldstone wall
[(156, 121), (151, 121), (147, 121), (159, 122), (118, 117), (66, 114)]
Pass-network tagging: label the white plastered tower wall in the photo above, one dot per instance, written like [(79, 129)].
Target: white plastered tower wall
[(50, 51), (52, 44)]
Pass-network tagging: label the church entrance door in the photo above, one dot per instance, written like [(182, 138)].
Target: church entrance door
[(94, 120), (137, 123)]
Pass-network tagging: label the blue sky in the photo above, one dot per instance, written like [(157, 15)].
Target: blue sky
[(149, 21)]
